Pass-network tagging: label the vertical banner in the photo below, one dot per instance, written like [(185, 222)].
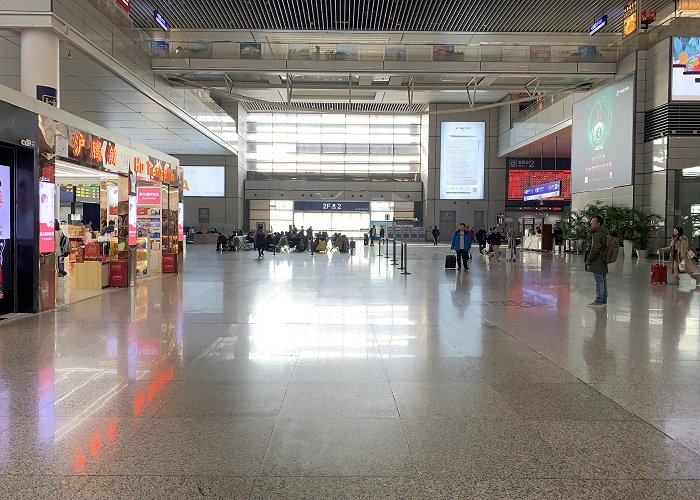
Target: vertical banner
[(180, 221), (132, 220), (47, 195)]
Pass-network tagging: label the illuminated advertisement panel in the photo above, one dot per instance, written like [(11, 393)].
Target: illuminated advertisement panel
[(685, 76), (47, 208), (132, 220), (462, 160)]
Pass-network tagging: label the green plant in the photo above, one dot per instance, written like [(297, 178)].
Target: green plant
[(643, 226)]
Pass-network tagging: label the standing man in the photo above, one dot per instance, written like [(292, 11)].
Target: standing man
[(381, 232), (481, 238), (496, 244), (436, 235), (595, 261), (372, 235), (461, 243)]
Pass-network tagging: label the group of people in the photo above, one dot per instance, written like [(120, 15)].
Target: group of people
[(595, 259), (490, 240)]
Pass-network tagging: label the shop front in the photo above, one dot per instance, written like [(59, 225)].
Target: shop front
[(71, 208)]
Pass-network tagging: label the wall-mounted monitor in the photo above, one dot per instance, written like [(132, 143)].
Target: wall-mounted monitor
[(205, 181), (543, 191), (602, 138), (685, 70), (462, 152)]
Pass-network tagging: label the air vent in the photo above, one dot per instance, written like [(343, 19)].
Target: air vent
[(373, 107), (673, 119)]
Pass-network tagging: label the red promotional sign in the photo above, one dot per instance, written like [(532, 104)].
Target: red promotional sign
[(92, 251), (47, 195), (148, 196), (118, 273), (132, 220), (124, 4)]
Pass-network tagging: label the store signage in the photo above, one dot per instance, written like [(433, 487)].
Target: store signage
[(49, 95), (47, 194), (124, 4), (598, 25), (648, 16), (630, 18), (331, 206), (148, 195), (155, 170), (543, 191), (132, 220), (28, 143), (160, 20)]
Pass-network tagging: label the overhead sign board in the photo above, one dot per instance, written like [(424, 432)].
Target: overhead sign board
[(124, 4), (630, 18), (598, 25), (688, 5), (331, 206), (543, 191), (160, 20)]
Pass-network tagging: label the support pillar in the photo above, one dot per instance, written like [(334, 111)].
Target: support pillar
[(40, 65)]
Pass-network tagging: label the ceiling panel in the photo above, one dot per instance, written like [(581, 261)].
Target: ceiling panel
[(551, 16)]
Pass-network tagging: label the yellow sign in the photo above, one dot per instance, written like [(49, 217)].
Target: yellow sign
[(630, 15), (688, 5)]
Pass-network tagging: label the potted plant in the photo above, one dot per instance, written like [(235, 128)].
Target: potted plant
[(643, 225)]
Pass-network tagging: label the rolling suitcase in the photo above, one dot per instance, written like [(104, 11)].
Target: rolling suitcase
[(659, 271), (450, 261), (510, 255)]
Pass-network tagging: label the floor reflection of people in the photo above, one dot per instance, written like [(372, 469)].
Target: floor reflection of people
[(600, 360), (460, 293), (675, 320)]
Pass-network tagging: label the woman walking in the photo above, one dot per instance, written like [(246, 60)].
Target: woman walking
[(260, 241), (681, 261)]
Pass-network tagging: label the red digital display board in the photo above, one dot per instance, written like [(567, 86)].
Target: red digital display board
[(519, 179)]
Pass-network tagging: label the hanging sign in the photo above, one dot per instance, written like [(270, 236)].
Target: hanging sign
[(598, 25), (630, 18), (160, 20)]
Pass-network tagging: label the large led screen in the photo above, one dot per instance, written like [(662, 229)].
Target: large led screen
[(205, 181), (462, 160), (685, 79), (602, 138), (519, 179), (5, 203)]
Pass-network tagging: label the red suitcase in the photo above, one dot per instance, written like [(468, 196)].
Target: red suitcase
[(659, 271)]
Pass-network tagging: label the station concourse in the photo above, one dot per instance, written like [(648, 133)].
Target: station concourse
[(224, 242)]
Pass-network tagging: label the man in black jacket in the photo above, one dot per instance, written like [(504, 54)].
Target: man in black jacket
[(481, 238), (436, 235)]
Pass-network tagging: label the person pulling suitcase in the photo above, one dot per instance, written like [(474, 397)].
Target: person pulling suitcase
[(461, 244)]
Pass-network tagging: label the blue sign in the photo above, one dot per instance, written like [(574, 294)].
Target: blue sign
[(598, 25), (49, 95), (331, 206), (160, 20), (542, 191)]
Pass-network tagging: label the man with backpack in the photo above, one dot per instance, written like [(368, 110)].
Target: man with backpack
[(600, 252)]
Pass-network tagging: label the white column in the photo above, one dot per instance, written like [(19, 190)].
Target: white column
[(39, 62)]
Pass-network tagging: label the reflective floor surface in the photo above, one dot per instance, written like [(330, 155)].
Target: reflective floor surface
[(337, 377)]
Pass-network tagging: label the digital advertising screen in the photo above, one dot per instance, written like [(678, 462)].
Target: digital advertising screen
[(602, 138), (132, 220), (5, 202), (685, 71), (462, 151), (205, 181), (47, 208), (543, 191), (520, 179)]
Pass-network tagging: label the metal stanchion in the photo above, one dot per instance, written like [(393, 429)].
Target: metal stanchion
[(393, 258), (405, 251), (386, 248), (402, 261), (379, 241)]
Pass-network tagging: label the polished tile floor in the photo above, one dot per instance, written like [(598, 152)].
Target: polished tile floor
[(337, 377)]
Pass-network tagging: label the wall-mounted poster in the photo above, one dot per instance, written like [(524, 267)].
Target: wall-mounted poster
[(443, 52), (298, 52), (180, 221), (685, 80), (47, 195), (462, 160), (347, 52), (5, 202), (251, 50), (394, 52)]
